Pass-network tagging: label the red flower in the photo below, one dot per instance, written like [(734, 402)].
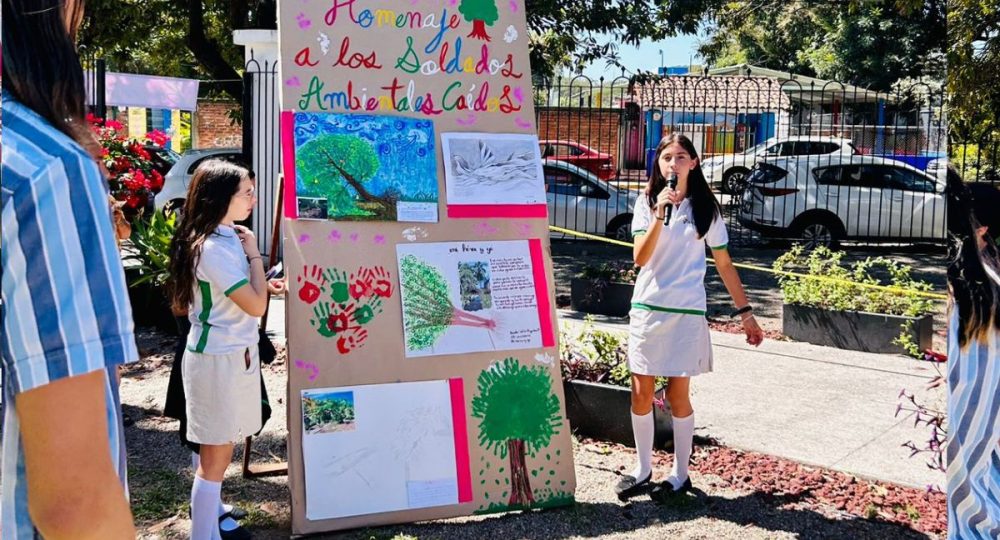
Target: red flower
[(114, 125), (157, 137), (156, 183)]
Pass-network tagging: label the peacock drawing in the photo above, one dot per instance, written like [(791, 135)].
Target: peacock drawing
[(427, 308)]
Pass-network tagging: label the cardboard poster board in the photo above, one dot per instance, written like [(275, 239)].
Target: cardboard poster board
[(422, 343)]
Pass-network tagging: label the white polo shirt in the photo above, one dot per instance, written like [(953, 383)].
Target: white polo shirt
[(218, 325), (673, 280)]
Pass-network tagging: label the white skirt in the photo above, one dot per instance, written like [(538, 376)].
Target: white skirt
[(222, 395), (668, 344)]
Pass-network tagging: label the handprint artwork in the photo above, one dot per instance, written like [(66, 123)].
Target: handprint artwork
[(343, 302)]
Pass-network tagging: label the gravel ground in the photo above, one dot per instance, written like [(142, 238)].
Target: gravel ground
[(160, 480)]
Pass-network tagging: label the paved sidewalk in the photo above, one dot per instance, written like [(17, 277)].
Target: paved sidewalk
[(816, 405)]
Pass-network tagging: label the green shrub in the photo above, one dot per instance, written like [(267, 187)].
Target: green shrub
[(151, 247)]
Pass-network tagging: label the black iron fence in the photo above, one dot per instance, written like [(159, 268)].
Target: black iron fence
[(792, 158)]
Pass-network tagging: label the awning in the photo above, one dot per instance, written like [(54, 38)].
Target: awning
[(129, 90)]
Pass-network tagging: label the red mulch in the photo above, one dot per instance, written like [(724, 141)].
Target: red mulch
[(921, 510)]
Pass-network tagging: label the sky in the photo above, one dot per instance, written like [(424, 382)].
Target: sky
[(677, 51)]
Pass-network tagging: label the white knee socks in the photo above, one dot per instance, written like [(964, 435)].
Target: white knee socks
[(223, 508), (204, 509), (642, 430), (683, 441)]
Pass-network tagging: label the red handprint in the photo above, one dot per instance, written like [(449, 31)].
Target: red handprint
[(312, 282), (381, 281), (351, 340), (340, 320), (361, 284)]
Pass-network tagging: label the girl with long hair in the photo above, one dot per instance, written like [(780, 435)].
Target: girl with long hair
[(973, 448), (67, 324), (217, 277), (668, 332)]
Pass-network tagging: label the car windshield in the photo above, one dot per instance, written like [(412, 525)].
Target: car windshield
[(168, 155), (758, 149)]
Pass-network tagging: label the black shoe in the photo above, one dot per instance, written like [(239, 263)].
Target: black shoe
[(664, 490), (629, 486), (239, 533), (236, 513)]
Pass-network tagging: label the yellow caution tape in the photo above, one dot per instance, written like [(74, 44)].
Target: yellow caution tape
[(888, 288)]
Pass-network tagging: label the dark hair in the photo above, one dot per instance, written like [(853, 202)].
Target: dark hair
[(212, 188), (974, 294), (703, 203), (41, 67)]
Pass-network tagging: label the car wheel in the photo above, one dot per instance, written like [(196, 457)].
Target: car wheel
[(818, 233), (175, 206), (621, 229), (734, 181)]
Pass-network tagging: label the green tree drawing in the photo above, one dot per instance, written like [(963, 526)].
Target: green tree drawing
[(427, 307), (518, 414), (330, 163), (480, 13)]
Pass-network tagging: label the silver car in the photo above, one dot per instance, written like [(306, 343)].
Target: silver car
[(175, 182), (580, 201)]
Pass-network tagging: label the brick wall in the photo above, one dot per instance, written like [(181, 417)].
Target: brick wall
[(213, 127), (598, 129)]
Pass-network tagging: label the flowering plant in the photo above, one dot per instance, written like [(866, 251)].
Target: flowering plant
[(131, 175)]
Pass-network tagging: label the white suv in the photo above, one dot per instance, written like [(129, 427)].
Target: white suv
[(729, 171), (821, 200)]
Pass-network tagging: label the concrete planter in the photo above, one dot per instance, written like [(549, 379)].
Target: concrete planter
[(149, 305), (603, 411), (854, 330), (613, 299)]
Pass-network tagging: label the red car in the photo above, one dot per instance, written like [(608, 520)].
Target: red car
[(599, 163)]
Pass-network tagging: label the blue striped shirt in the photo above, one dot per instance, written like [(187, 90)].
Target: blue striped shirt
[(973, 450), (65, 307)]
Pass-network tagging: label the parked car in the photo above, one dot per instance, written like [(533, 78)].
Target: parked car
[(602, 165), (580, 201), (822, 200), (728, 172), (175, 182), (163, 158)]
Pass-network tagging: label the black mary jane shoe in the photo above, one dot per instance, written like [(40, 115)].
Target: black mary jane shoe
[(665, 490), (629, 485)]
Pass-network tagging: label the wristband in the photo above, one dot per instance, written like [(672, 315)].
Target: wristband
[(741, 311)]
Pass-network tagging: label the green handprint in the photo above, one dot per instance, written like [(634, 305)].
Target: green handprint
[(339, 292), (367, 312), (322, 312)]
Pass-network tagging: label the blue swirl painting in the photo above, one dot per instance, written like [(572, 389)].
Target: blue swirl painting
[(367, 168)]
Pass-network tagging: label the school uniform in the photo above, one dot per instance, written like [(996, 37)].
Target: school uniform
[(221, 364), (668, 332)]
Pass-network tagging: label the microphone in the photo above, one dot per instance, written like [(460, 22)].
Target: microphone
[(672, 182)]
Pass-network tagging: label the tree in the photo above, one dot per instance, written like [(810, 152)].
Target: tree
[(330, 163), (973, 64), (481, 13), (518, 415), (870, 44), (427, 308)]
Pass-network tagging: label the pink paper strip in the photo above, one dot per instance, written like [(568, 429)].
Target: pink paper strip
[(288, 159), (498, 211), (542, 293), (463, 467)]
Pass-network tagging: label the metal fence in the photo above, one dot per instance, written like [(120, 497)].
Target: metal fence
[(262, 145), (819, 162)]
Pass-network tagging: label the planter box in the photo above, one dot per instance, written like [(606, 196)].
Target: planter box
[(150, 306), (854, 330), (614, 300), (602, 411)]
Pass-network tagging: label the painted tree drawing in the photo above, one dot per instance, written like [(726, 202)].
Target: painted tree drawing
[(481, 13), (427, 308), (364, 166), (518, 415)]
